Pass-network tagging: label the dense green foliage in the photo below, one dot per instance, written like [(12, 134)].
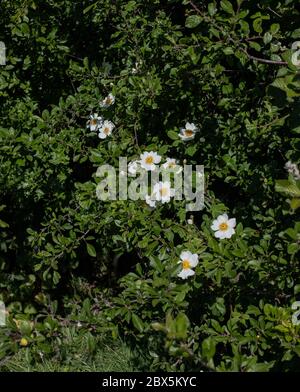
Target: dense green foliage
[(224, 65)]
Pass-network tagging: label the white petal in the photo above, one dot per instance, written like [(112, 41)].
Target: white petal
[(215, 225), (156, 187), (191, 126), (157, 158), (150, 201), (222, 218), (194, 260), (229, 233), (232, 222), (185, 273), (102, 135), (186, 138), (220, 234), (143, 155), (147, 166), (186, 255)]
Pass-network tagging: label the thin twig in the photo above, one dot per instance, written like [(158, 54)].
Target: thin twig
[(274, 12), (266, 61), (195, 7)]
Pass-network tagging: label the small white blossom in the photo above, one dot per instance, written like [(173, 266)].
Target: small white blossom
[(293, 169), (106, 129), (223, 227), (162, 191), (136, 67), (188, 132), (150, 201), (172, 164), (188, 261), (190, 221), (295, 306), (95, 122), (149, 159), (108, 101)]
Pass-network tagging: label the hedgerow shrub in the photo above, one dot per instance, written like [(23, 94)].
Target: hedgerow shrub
[(224, 66)]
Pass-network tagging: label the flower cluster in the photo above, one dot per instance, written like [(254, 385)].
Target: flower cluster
[(223, 228), (162, 190), (96, 123)]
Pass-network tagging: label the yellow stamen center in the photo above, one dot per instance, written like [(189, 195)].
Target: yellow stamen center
[(223, 226), (93, 121), (188, 132), (149, 160), (106, 131), (186, 264), (163, 192), (108, 101)]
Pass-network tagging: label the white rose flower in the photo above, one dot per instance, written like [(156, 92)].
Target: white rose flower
[(95, 122), (188, 261), (188, 132), (106, 129), (149, 160), (108, 101), (162, 191), (223, 227), (172, 164)]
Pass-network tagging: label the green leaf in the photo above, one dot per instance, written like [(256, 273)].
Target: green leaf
[(3, 224), (208, 348), (286, 186), (182, 325), (228, 50), (87, 9), (295, 203), (257, 25), (158, 327), (275, 27), (212, 9), (297, 289), (193, 21), (180, 297), (191, 150), (91, 250), (137, 322), (267, 38), (227, 7), (56, 277), (173, 135)]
